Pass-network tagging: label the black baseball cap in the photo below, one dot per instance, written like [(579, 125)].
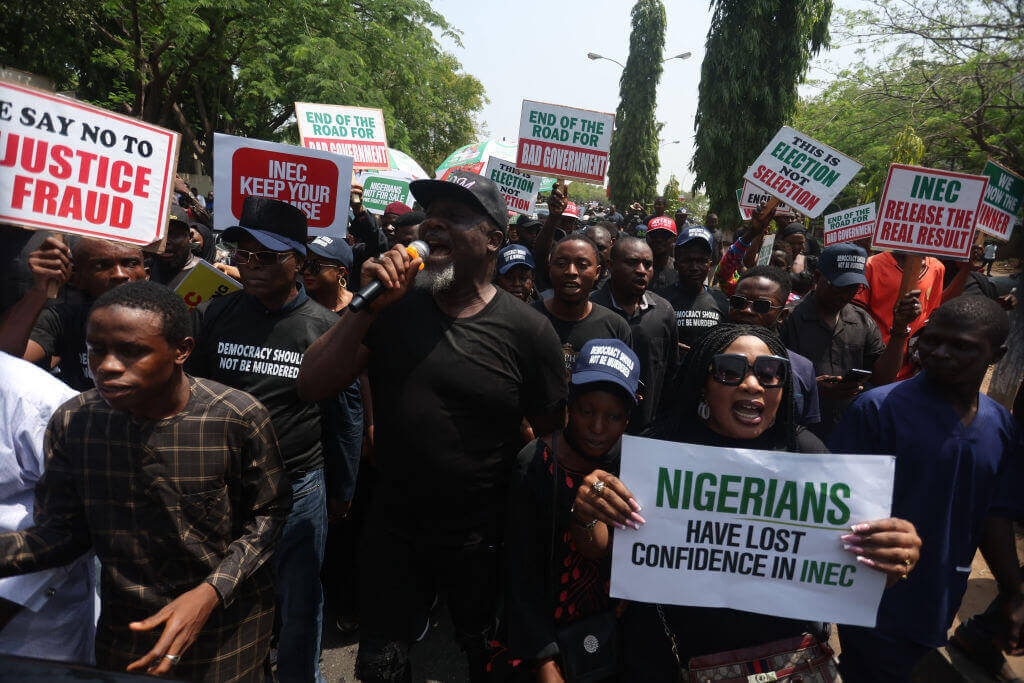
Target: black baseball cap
[(843, 264), (467, 188), (334, 248)]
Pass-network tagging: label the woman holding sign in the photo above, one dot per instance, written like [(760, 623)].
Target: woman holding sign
[(737, 393), (558, 592)]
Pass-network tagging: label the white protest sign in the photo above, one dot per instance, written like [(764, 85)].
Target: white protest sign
[(357, 132), (71, 167), (928, 211), (799, 170), (750, 530), (751, 196), (850, 225), (1003, 200), (564, 142), (319, 183), (519, 189), (764, 255)]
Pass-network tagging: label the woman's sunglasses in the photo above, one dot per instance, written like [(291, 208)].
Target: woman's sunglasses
[(731, 369)]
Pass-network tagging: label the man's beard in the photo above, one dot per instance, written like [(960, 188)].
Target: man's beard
[(437, 281)]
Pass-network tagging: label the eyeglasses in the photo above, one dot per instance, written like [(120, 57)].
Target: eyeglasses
[(314, 267), (243, 257), (731, 369), (759, 306)]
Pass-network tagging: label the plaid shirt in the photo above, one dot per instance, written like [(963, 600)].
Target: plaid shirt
[(166, 504)]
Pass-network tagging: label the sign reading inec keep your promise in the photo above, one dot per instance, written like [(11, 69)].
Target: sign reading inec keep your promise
[(802, 172), (751, 530), (928, 211), (564, 142)]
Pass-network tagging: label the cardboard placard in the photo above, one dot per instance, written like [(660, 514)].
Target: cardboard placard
[(928, 211), (804, 173), (764, 255), (752, 530), (750, 196), (379, 191), (564, 142), (850, 225), (519, 189), (357, 132), (1002, 202), (319, 183), (203, 283), (72, 167)]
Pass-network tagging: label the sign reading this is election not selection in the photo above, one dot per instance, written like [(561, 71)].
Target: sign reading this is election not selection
[(928, 211), (71, 167), (356, 132), (316, 182), (564, 141), (519, 189), (804, 173), (752, 530), (850, 225)]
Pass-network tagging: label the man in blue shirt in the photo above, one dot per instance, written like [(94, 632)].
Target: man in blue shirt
[(952, 445)]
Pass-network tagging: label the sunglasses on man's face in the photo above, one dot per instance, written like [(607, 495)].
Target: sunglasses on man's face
[(759, 306), (244, 257), (731, 369)]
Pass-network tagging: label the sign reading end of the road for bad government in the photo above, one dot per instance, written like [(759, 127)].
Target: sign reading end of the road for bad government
[(1003, 200), (850, 225), (752, 530), (928, 211), (356, 132), (802, 172), (564, 141)]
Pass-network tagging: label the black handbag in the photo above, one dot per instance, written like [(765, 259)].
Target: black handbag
[(588, 647)]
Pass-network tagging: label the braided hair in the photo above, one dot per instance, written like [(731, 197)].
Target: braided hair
[(694, 374)]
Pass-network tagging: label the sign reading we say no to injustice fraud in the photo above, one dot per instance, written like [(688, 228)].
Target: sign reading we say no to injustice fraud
[(519, 189), (71, 167), (850, 225), (357, 132), (1002, 201), (804, 173), (317, 182), (564, 141), (928, 211), (750, 530)]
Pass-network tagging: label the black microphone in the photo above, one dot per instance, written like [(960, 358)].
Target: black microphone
[(365, 296)]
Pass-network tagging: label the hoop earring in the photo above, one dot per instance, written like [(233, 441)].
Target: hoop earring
[(703, 409), (343, 282)]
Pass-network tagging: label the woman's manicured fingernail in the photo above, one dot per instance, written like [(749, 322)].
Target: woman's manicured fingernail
[(860, 528), (852, 538), (856, 550), (637, 518), (866, 561), (635, 505)]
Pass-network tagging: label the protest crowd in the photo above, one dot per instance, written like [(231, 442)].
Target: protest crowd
[(433, 408)]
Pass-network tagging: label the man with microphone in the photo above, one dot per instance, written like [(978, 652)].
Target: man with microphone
[(455, 364)]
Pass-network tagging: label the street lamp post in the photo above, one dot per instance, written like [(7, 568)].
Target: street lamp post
[(593, 56)]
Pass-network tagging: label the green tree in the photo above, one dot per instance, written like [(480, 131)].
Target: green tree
[(756, 55), (671, 194), (633, 162), (238, 66), (586, 192)]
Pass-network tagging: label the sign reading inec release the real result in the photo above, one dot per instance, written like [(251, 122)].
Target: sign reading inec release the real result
[(751, 530), (804, 173), (564, 142)]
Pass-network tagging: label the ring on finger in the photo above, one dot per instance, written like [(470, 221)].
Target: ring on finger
[(597, 488), (173, 659)]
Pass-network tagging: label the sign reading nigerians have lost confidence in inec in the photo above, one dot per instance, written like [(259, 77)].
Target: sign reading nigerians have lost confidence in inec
[(751, 530)]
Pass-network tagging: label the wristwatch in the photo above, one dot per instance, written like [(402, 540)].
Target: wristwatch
[(899, 332)]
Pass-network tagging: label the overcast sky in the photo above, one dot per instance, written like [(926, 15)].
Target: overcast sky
[(538, 51)]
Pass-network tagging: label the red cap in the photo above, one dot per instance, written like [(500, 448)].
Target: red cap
[(397, 208), (661, 223), (571, 210)]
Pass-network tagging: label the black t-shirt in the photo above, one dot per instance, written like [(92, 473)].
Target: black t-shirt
[(573, 334), (449, 396), (60, 330), (695, 313), (246, 346), (655, 341), (663, 278)]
